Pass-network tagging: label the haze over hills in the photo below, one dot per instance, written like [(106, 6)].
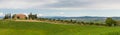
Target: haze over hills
[(82, 18)]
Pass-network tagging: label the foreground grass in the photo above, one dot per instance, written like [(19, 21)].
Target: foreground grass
[(43, 28)]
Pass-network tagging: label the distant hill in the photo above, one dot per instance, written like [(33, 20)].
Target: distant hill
[(83, 18)]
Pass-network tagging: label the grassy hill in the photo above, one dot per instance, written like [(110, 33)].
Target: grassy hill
[(43, 28)]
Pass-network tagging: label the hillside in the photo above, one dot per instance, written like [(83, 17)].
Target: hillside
[(44, 28)]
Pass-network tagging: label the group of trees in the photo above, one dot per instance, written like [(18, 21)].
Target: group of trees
[(108, 22), (30, 16), (7, 16), (69, 21)]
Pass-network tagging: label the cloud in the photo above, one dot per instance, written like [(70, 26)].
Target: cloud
[(21, 4), (61, 13), (39, 14), (39, 4), (2, 14), (87, 4), (69, 3)]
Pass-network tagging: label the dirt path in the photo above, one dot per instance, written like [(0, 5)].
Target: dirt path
[(29, 20), (43, 21)]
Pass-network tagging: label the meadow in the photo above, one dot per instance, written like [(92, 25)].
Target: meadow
[(44, 28)]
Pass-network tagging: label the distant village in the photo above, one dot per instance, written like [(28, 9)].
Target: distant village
[(21, 16)]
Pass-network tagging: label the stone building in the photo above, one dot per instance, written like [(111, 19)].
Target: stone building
[(19, 16)]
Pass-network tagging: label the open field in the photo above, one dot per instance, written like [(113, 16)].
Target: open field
[(43, 28)]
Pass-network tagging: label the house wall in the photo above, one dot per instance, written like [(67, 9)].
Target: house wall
[(20, 16)]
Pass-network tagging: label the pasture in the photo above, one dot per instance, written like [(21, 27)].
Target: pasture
[(44, 28)]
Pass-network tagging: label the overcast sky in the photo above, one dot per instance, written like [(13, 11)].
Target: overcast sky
[(61, 7)]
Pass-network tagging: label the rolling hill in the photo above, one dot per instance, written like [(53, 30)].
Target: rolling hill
[(44, 28)]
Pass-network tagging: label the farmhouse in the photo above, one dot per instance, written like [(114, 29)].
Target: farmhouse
[(19, 16)]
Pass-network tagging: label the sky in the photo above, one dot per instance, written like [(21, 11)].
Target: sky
[(69, 8)]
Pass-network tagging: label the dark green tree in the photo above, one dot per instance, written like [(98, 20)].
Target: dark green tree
[(71, 20), (31, 16), (13, 16), (7, 16), (110, 22)]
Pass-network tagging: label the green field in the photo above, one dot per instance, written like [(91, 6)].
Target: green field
[(43, 28)]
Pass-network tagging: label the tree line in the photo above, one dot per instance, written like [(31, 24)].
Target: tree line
[(108, 22)]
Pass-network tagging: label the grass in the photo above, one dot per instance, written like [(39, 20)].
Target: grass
[(43, 28)]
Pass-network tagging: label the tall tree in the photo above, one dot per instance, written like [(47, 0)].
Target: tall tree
[(7, 16), (110, 22), (31, 16)]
